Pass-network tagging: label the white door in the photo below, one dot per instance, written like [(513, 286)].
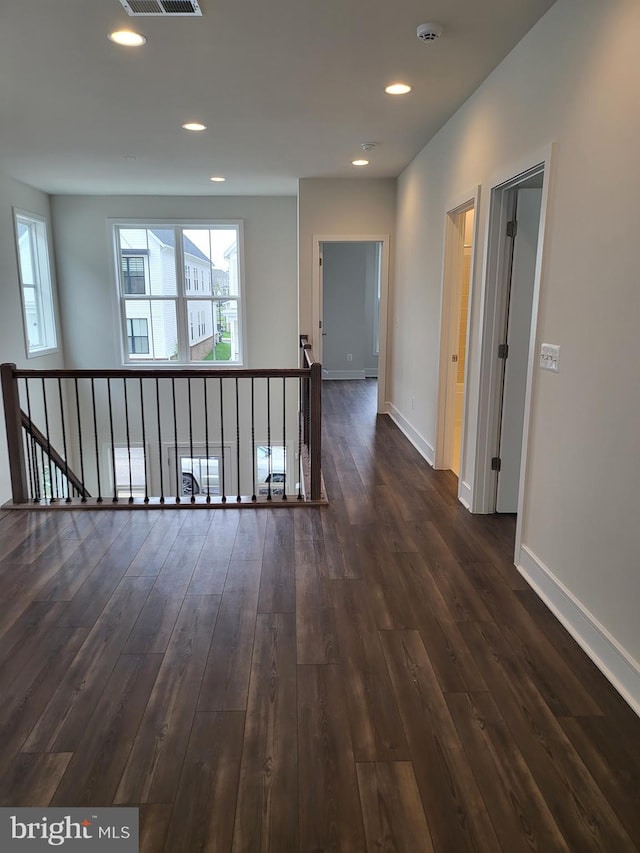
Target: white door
[(518, 333)]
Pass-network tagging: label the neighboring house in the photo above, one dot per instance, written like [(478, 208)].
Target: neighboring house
[(148, 259)]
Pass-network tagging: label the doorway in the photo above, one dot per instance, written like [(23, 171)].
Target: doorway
[(350, 294), (517, 213), (459, 245)]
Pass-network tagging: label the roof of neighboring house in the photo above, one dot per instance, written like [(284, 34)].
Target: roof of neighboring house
[(168, 237)]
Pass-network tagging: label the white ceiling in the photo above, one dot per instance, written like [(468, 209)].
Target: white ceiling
[(288, 89)]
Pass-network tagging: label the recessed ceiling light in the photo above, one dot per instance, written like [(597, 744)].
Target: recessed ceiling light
[(194, 125), (360, 162), (128, 38), (218, 179), (398, 89)]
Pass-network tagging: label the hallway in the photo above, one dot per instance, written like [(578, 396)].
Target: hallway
[(370, 675)]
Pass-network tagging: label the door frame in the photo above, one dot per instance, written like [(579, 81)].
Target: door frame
[(493, 297), (316, 300), (453, 241)]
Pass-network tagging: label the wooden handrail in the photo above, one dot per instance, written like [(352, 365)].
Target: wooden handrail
[(60, 463)]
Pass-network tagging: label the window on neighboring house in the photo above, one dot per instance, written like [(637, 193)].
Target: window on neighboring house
[(133, 277), (35, 283), (138, 335), (168, 313)]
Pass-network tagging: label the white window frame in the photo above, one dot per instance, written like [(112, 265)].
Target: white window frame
[(183, 295), (43, 285)]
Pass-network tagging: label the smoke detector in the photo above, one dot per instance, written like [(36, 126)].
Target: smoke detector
[(429, 32), (368, 146), (167, 8)]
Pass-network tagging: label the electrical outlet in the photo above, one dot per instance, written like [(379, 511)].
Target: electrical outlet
[(349, 356), (550, 357)]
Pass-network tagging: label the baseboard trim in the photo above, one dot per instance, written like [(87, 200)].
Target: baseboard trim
[(605, 651), (464, 495), (343, 374), (419, 442), (371, 373)]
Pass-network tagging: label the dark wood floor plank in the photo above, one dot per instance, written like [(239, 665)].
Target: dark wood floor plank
[(154, 825), (34, 688), (266, 814), (225, 683), (63, 721), (93, 774), (329, 802), (249, 539), (206, 800), (154, 626), (453, 804), (32, 779), (462, 600), (613, 763), (277, 584), (521, 817), (154, 550), (582, 813), (25, 642), (394, 819), (91, 598), (447, 650), (376, 728), (315, 623), (152, 772), (23, 543), (552, 675)]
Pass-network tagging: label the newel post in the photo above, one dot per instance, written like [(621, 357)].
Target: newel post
[(316, 429), (13, 423)]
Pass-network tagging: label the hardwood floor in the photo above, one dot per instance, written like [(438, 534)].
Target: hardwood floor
[(372, 675)]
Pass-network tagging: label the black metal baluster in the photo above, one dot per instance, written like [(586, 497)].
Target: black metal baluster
[(269, 497), (95, 438), (238, 497), (64, 442), (46, 426), (206, 432), (144, 446), (34, 457), (253, 440), (113, 445), (175, 441), (159, 441), (224, 488), (126, 420), (193, 497), (284, 437), (299, 467), (84, 488)]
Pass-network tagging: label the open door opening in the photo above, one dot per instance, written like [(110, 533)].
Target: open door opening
[(459, 248)]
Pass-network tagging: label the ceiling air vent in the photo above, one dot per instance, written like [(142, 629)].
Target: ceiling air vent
[(171, 8)]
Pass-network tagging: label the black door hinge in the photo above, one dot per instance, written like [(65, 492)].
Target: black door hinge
[(496, 463), (512, 228), (503, 351)]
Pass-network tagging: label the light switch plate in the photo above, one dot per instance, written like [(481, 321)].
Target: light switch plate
[(550, 357)]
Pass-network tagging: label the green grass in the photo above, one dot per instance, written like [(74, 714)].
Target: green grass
[(222, 352)]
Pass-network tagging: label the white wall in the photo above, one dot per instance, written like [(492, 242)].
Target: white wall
[(574, 80), (12, 342), (339, 208), (84, 246)]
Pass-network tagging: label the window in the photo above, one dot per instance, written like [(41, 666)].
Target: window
[(180, 292), (35, 282), (133, 277), (138, 335)]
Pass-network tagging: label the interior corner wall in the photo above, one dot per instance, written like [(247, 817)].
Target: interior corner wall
[(12, 340), (88, 301), (573, 80), (339, 208)]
